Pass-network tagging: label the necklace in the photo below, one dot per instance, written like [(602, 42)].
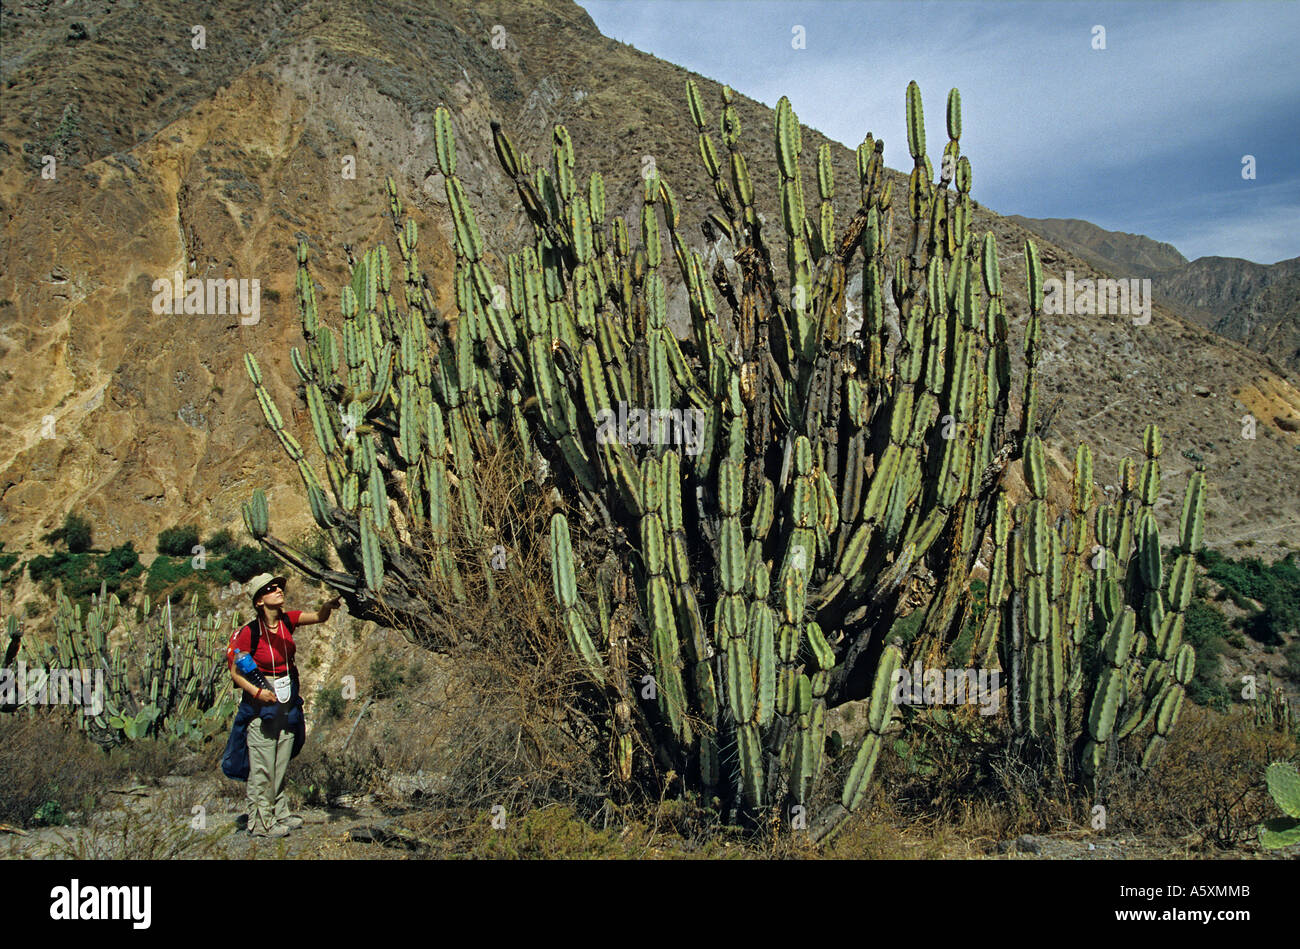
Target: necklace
[(266, 633)]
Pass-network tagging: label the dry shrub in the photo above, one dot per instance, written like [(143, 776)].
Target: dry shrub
[(48, 769), (952, 768), (1208, 784), (163, 832), (318, 778), (517, 725)]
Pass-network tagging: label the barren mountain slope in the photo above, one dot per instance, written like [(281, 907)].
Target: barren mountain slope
[(1112, 251), (1255, 304), (215, 161)]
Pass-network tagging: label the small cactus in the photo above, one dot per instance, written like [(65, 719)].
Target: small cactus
[(1284, 784)]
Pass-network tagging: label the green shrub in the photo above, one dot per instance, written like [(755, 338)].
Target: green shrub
[(244, 563), (119, 560), (330, 703), (42, 567), (1276, 588), (166, 572), (221, 542), (7, 561), (75, 534), (385, 675), (78, 573), (907, 627), (178, 541), (119, 566), (1206, 629), (1292, 655)]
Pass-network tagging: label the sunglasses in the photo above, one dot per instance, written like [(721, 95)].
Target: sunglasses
[(271, 589)]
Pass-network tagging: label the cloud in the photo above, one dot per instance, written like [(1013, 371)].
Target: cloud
[(1180, 92)]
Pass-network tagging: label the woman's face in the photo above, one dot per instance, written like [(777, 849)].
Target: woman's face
[(273, 598)]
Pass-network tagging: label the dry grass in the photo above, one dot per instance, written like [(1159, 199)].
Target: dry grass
[(1208, 786), (50, 773), (164, 832)]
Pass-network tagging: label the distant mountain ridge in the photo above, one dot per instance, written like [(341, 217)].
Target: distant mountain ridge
[(1111, 251), (1255, 304)]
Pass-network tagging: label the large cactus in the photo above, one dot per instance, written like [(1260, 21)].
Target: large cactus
[(1111, 635), (168, 674), (836, 475)]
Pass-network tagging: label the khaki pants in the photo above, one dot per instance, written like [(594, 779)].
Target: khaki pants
[(270, 745)]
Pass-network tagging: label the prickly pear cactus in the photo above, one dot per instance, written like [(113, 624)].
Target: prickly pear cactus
[(1284, 784), (769, 491)]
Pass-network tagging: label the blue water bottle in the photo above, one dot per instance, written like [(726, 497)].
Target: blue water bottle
[(246, 667)]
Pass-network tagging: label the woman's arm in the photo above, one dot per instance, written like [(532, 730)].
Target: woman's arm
[(321, 613), (262, 695)]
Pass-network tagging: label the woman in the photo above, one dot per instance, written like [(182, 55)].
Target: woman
[(271, 710)]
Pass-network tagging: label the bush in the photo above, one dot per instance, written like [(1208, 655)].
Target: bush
[(1276, 588), (175, 579), (178, 541), (1206, 629), (330, 703), (1292, 655), (79, 573), (385, 675), (75, 534), (48, 770), (908, 626), (244, 563), (7, 561), (119, 560), (166, 572), (1207, 781), (221, 542), (119, 566), (320, 778)]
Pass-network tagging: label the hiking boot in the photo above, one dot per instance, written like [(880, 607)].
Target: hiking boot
[(293, 822), (279, 830)]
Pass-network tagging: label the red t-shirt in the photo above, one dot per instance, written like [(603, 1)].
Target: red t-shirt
[(275, 648)]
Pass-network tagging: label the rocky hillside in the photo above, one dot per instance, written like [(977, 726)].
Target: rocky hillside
[(210, 155), (1255, 304), (1111, 251)]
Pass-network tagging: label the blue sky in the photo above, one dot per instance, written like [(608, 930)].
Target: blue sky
[(1145, 136)]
